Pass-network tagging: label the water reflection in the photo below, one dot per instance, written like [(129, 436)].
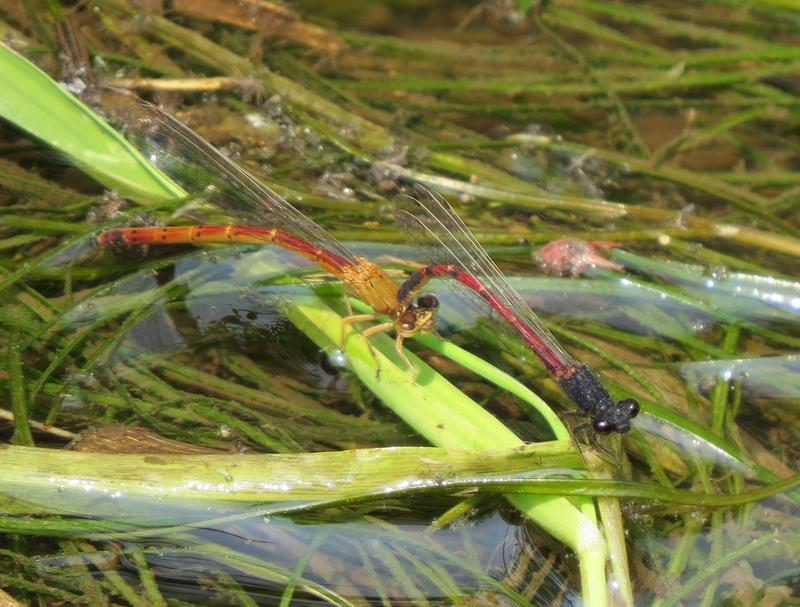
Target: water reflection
[(398, 558), (756, 297), (769, 377)]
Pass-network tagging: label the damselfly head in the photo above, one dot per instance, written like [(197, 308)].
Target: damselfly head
[(418, 318), (618, 420)]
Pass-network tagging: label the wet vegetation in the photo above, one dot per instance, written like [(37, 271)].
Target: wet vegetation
[(224, 446)]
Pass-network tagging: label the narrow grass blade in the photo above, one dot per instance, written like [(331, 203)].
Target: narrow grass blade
[(40, 106)]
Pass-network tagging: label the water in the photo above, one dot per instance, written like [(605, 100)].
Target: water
[(220, 319), (684, 113)]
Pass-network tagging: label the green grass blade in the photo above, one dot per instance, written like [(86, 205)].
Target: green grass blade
[(39, 105)]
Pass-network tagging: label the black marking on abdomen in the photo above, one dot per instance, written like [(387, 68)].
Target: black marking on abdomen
[(118, 238), (410, 284)]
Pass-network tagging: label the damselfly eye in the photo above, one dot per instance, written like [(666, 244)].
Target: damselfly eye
[(428, 302), (602, 426), (630, 406), (406, 325)]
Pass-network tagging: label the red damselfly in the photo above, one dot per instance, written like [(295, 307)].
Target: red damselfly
[(429, 221)]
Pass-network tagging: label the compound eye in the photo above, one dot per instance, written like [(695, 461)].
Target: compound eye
[(602, 426), (630, 406), (406, 325), (428, 302)]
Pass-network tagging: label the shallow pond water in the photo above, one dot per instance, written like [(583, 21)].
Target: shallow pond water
[(667, 132)]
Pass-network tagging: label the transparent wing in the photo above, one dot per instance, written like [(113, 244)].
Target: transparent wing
[(431, 225), (202, 171)]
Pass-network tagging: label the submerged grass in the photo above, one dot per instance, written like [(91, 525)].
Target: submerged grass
[(666, 128)]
